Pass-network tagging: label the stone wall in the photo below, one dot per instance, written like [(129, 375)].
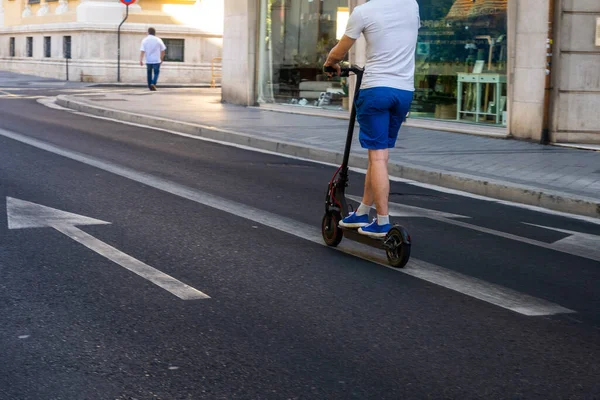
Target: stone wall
[(576, 103), (94, 53)]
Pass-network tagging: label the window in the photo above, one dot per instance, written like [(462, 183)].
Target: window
[(47, 46), (12, 46), (299, 36), (29, 46), (461, 59), (175, 49), (67, 46), (34, 1)]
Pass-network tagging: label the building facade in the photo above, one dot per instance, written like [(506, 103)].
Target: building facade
[(37, 37), (525, 67)]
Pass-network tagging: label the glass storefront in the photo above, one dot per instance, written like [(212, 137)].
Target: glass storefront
[(298, 35), (461, 57)]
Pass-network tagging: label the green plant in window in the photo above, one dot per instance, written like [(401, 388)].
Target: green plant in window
[(345, 88)]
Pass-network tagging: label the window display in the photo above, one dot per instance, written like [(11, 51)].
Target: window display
[(460, 71), (297, 36)]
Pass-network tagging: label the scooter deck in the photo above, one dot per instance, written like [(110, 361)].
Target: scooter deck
[(353, 234)]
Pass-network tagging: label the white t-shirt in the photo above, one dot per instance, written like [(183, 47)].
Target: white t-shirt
[(390, 28), (152, 46)]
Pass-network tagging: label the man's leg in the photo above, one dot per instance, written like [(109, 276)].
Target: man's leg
[(368, 198), (379, 180), (149, 75), (156, 72), (374, 118)]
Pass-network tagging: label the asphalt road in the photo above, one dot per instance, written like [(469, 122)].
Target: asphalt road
[(286, 317)]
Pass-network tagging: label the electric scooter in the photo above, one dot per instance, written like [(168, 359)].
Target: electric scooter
[(397, 241)]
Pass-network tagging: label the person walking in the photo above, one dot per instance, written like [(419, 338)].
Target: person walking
[(390, 28), (153, 50)]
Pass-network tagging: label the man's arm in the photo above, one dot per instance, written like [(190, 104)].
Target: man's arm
[(142, 57), (353, 31), (163, 50), (338, 53)]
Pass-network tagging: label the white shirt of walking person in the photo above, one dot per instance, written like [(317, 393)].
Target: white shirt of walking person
[(153, 50)]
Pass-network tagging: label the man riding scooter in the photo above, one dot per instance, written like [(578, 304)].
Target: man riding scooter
[(390, 28)]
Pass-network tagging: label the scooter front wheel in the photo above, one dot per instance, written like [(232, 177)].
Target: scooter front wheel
[(397, 243), (330, 229)]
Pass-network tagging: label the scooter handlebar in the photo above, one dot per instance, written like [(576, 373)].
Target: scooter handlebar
[(345, 71)]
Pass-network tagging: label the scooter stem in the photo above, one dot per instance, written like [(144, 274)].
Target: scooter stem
[(344, 169)]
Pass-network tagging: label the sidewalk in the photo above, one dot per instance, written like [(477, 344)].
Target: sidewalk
[(556, 178)]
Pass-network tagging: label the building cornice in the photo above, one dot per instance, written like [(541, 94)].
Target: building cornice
[(107, 28)]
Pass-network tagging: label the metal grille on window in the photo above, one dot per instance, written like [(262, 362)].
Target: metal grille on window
[(12, 46), (29, 47), (175, 50), (47, 46), (67, 47)]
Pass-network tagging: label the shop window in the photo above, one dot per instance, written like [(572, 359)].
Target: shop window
[(29, 46), (461, 61), (47, 46), (12, 47), (175, 50), (67, 46), (460, 65), (296, 37)]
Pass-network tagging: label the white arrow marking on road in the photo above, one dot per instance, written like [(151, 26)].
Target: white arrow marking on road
[(23, 214)]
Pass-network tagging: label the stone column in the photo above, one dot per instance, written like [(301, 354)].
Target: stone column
[(239, 64), (44, 8), (103, 11), (528, 34)]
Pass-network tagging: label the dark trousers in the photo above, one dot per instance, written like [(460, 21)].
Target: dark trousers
[(152, 68)]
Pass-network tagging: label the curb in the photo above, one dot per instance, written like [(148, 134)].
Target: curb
[(164, 86), (553, 200)]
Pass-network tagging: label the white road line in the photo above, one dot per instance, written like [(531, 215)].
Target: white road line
[(585, 249), (440, 189), (24, 214), (494, 294), (155, 276)]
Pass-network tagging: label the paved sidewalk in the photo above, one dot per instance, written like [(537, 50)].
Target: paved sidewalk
[(552, 177)]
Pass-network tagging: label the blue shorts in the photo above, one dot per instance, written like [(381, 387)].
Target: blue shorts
[(380, 112)]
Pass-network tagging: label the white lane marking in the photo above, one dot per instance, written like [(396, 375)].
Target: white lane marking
[(583, 243), (23, 214), (440, 189), (499, 296), (167, 282), (404, 210)]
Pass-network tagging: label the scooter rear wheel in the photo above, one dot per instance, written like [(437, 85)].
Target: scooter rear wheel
[(398, 253), (331, 231)]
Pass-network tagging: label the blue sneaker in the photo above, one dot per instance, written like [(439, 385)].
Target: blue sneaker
[(355, 221), (375, 230)]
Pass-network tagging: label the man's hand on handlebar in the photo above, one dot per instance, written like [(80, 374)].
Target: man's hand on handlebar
[(328, 66)]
